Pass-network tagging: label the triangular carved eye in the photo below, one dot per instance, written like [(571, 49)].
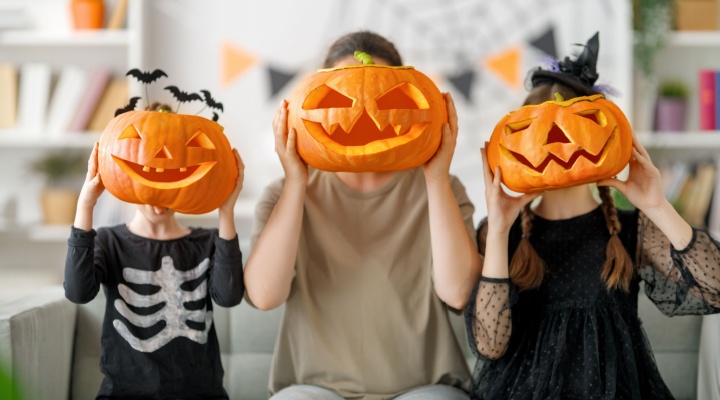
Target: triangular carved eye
[(595, 116), (326, 97), (515, 127), (130, 133), (403, 96), (200, 139)]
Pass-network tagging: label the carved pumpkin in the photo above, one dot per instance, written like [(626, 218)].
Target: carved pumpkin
[(182, 162), (560, 143), (367, 118)]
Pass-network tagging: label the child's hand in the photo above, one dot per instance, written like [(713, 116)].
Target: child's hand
[(502, 209), (93, 186), (438, 167), (286, 147), (229, 203), (643, 187)]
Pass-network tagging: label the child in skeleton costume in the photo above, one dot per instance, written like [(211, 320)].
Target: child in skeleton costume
[(158, 337), (554, 313)]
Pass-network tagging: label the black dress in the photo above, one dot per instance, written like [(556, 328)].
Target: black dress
[(571, 338)]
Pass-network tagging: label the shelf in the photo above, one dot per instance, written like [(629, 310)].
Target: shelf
[(701, 140), (79, 140), (695, 39), (64, 38)]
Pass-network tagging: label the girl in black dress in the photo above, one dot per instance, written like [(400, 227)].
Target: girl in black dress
[(554, 314)]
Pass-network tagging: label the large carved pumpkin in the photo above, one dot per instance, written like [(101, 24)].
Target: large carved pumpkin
[(560, 143), (367, 118), (182, 162)]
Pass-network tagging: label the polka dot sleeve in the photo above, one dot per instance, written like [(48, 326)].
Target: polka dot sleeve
[(488, 315), (679, 282)]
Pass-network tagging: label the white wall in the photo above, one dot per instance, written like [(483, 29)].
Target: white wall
[(438, 38)]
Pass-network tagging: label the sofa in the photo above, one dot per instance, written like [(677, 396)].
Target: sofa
[(50, 347)]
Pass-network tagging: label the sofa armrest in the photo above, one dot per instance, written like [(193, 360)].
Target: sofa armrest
[(36, 343)]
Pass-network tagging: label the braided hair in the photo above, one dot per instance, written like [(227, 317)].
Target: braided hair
[(570, 78)]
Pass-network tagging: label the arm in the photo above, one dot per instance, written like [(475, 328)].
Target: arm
[(488, 315), (684, 274), (456, 262), (271, 266), (83, 269), (226, 277)]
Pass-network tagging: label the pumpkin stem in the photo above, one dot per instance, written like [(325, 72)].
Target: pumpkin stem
[(364, 58), (558, 97)]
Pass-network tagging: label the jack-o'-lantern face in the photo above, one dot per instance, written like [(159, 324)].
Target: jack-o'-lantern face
[(367, 118), (181, 162), (560, 143)]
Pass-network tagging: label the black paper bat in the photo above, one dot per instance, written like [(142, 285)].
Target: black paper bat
[(146, 77), (181, 96), (129, 107), (215, 117), (211, 102)]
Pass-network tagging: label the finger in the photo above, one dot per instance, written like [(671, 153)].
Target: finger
[(528, 197), (292, 141), (640, 148), (613, 183), (487, 175), (452, 112), (498, 177), (93, 160)]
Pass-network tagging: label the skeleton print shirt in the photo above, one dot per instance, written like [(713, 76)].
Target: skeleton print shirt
[(158, 338)]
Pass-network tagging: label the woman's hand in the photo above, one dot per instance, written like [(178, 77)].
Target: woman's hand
[(286, 147), (92, 187), (502, 209), (229, 204), (438, 167), (643, 187)]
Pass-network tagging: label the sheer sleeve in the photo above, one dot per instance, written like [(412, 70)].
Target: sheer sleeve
[(679, 282), (488, 316)]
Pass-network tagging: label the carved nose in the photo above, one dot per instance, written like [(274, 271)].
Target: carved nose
[(556, 135), (163, 153)]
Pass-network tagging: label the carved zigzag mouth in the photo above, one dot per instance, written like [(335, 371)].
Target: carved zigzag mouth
[(564, 164), (364, 130), (164, 178)]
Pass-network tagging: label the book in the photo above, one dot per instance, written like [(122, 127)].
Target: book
[(697, 206), (8, 95), (66, 97), (706, 101), (33, 96), (115, 96), (717, 99), (714, 219), (117, 18), (97, 83)]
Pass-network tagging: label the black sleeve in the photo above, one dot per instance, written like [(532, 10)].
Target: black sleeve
[(226, 276), (85, 267)]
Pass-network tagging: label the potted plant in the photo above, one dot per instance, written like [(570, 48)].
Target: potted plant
[(671, 107), (63, 173)]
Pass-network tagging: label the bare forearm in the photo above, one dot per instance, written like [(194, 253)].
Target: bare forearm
[(456, 262), (495, 263), (270, 268), (83, 217), (226, 223)]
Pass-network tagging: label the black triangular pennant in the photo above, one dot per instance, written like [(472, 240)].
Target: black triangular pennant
[(278, 80), (546, 42), (463, 82)]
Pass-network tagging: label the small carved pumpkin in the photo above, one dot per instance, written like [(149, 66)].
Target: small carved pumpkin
[(367, 118), (182, 162), (560, 143)]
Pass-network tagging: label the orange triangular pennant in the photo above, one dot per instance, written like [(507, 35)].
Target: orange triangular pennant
[(506, 65), (234, 62)]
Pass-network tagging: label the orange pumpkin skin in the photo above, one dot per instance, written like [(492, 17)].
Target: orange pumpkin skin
[(367, 118), (182, 162), (558, 144)]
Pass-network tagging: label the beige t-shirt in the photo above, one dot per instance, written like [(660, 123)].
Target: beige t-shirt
[(363, 318)]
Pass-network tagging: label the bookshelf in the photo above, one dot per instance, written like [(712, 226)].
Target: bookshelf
[(54, 43)]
